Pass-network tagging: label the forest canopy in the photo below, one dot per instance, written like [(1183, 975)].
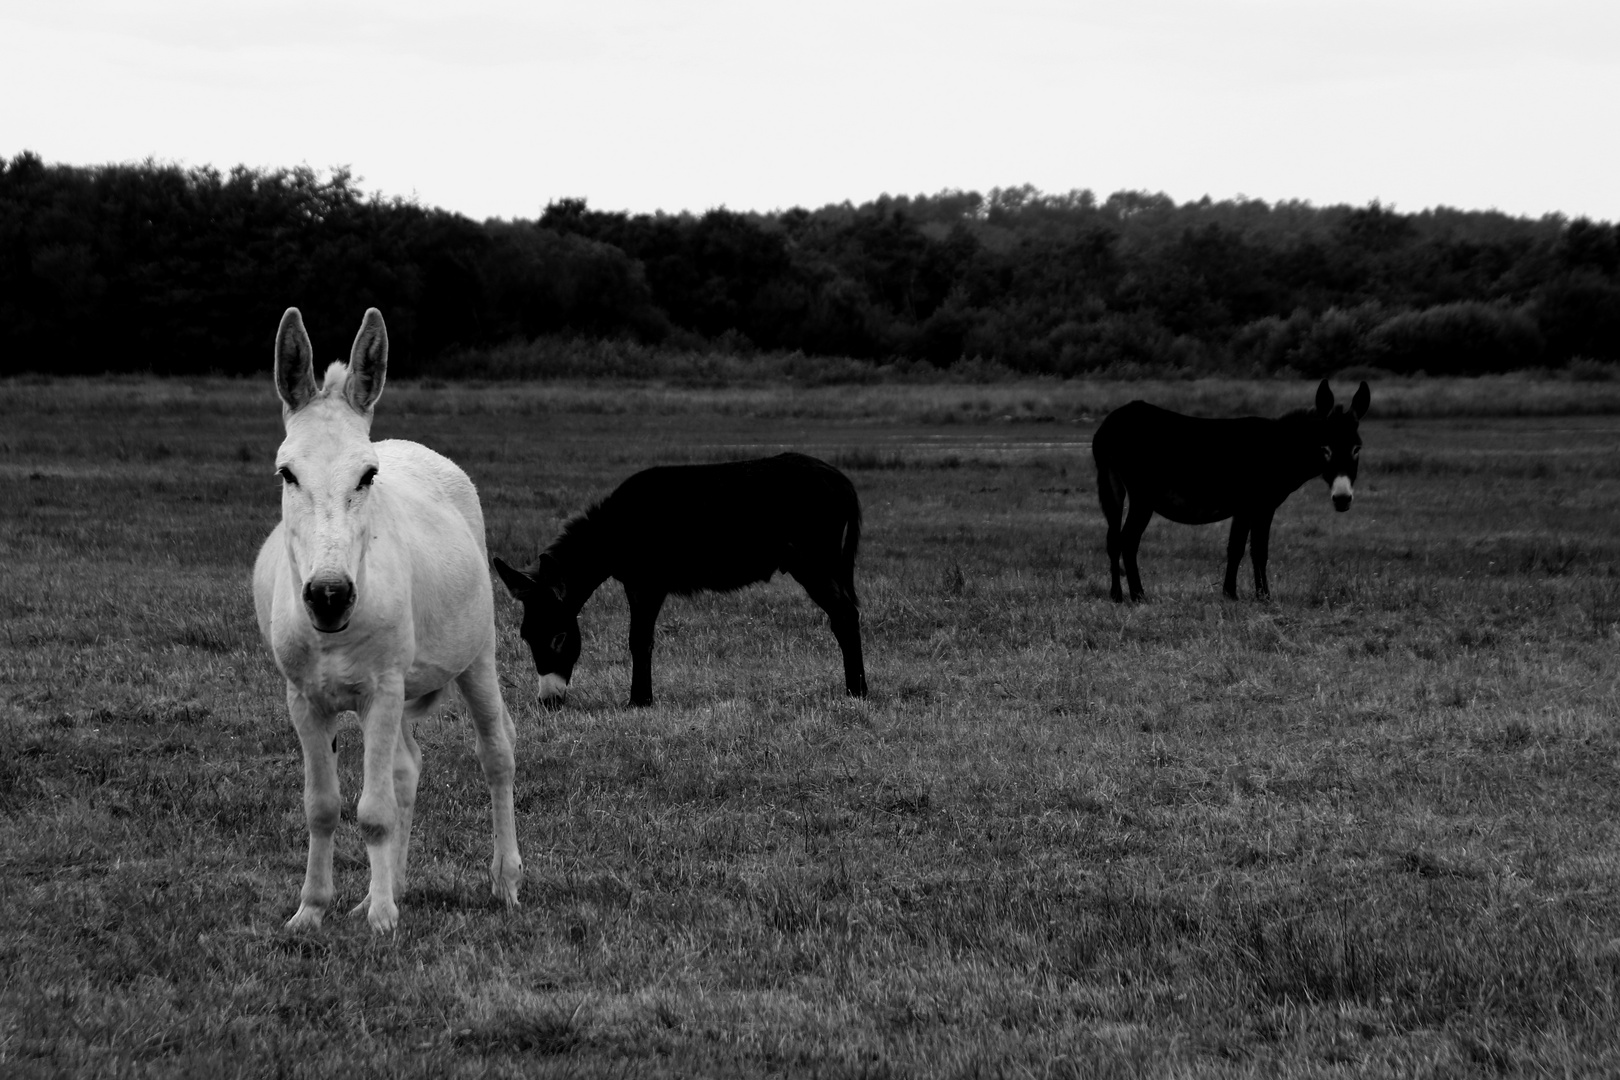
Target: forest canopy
[(155, 267)]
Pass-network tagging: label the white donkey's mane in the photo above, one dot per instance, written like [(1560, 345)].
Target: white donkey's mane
[(335, 379)]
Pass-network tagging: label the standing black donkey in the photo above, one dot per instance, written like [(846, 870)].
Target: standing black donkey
[(1198, 471), (689, 528)]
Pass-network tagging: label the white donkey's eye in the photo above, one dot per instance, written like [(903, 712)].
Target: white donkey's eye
[(1327, 453), (287, 476), (366, 478), (1355, 451)]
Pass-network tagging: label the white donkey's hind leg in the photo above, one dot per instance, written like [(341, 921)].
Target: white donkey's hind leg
[(495, 730), (321, 807)]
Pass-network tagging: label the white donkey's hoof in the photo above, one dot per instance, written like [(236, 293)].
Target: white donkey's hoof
[(504, 882), (381, 914), (307, 917)]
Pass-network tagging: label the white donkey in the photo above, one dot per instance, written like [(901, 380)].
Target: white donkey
[(374, 594)]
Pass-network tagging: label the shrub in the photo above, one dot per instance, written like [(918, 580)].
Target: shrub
[(1467, 338), (1272, 343), (1338, 339), (1579, 315)]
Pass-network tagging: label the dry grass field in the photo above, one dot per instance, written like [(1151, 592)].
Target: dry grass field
[(1365, 829)]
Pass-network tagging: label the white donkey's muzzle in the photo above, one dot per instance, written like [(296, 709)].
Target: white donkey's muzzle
[(329, 600)]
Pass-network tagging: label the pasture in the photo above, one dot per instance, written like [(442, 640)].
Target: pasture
[(1367, 828)]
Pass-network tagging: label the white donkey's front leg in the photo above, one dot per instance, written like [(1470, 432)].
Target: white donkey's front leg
[(321, 806), (378, 812), (407, 771)]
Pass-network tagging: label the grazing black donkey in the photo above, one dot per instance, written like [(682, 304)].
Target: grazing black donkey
[(687, 528), (1197, 471)]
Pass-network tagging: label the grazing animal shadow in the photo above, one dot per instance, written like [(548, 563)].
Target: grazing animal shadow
[(688, 528), (1196, 471), (373, 594)]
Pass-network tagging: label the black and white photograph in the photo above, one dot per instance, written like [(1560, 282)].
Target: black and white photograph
[(874, 540)]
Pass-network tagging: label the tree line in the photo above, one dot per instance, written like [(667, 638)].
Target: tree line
[(155, 267)]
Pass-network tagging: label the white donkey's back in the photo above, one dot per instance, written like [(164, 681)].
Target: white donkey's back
[(437, 478), (374, 595)]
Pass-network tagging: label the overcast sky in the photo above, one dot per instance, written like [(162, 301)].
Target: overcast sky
[(494, 109)]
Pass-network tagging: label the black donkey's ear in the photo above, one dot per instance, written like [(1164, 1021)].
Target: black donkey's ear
[(547, 575), (1324, 399), (516, 581)]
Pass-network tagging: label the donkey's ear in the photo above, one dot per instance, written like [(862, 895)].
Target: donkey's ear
[(1324, 398), (368, 362), (295, 362), (1359, 403), (516, 581), (547, 574)]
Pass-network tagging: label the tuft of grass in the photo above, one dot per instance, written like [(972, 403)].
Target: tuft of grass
[(150, 711)]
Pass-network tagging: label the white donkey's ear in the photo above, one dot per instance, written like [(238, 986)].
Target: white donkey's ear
[(295, 362), (368, 362)]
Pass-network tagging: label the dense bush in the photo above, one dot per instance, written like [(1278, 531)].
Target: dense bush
[(1455, 339), (130, 267)]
